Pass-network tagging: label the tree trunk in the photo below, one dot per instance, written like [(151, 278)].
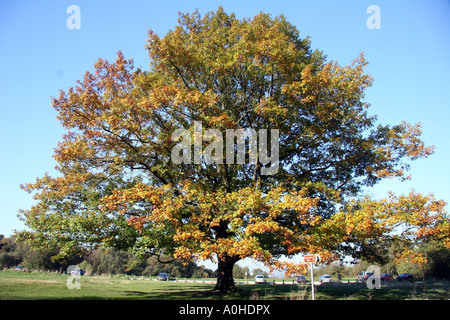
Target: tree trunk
[(225, 281)]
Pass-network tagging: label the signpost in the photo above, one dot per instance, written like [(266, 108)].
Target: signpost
[(312, 259)]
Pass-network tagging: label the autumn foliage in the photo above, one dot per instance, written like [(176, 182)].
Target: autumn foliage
[(119, 187)]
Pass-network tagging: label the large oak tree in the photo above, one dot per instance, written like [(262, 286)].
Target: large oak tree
[(119, 186)]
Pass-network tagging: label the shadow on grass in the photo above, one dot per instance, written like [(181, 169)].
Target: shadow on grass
[(388, 291), (44, 287), (334, 291), (195, 292), (178, 295)]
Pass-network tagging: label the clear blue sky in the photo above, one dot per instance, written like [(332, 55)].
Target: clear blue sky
[(409, 59)]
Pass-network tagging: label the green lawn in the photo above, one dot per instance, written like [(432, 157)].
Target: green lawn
[(18, 285)]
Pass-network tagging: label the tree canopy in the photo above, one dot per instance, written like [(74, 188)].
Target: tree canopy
[(119, 186)]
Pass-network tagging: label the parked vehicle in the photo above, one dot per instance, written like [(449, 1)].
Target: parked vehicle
[(19, 268), (301, 279), (386, 277), (77, 272), (325, 278), (405, 276), (162, 277), (364, 275), (260, 279)]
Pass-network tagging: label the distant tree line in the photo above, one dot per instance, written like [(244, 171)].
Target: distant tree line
[(113, 261), (436, 267), (98, 261), (245, 273), (105, 261), (13, 253)]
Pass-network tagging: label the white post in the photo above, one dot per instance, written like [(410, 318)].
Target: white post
[(312, 280)]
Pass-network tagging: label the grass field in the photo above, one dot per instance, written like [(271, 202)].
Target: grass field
[(24, 286)]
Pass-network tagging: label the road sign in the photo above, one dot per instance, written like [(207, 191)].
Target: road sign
[(312, 258)]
